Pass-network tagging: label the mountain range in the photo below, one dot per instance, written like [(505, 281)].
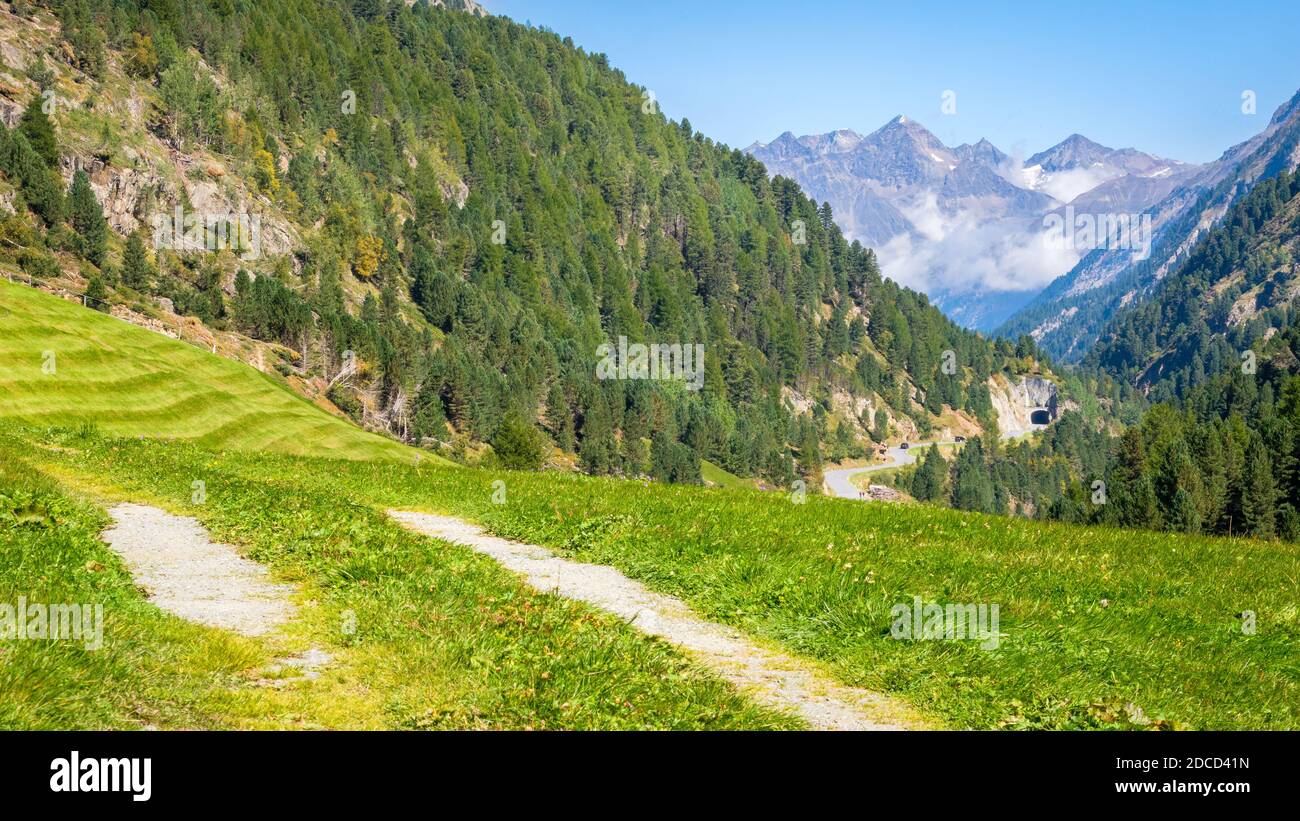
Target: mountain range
[(965, 224), (1070, 315)]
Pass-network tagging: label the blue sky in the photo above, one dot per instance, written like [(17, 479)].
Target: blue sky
[(1163, 77)]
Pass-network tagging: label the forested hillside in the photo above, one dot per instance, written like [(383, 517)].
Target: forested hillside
[(474, 208), (1235, 290), (1071, 316), (1217, 352)]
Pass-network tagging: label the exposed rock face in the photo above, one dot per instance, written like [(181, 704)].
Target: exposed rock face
[(1016, 404), (132, 196), (10, 112), (457, 192), (124, 193), (468, 6)]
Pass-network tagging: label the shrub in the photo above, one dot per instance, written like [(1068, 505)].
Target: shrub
[(97, 294), (518, 445), (38, 264), (345, 400)]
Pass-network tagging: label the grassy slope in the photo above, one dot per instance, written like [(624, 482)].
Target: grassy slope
[(443, 638), (1093, 619), (133, 382), (715, 475)]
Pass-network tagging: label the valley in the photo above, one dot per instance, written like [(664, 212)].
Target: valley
[(403, 366)]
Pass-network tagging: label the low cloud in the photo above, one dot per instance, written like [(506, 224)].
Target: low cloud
[(959, 252), (1066, 185), (1062, 186)]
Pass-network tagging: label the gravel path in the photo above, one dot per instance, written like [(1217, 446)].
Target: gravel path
[(188, 575), (771, 678)]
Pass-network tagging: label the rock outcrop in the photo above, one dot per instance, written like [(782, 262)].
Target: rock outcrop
[(1016, 403)]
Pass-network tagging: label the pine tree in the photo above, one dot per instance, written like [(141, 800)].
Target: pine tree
[(1259, 493), (1183, 515), (810, 457), (430, 420), (518, 445), (661, 456), (41, 187), (559, 417), (599, 448), (972, 489), (880, 423), (39, 131), (97, 294), (1130, 497), (826, 216), (1177, 485), (137, 271), (928, 481), (87, 219)]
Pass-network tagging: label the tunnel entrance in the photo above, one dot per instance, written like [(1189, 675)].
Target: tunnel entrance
[(1040, 417)]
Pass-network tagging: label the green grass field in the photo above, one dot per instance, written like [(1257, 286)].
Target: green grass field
[(444, 638), (1097, 623), (1099, 628), (424, 634), (132, 382), (715, 475)]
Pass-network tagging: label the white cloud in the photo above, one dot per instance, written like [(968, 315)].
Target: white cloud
[(1063, 186), (957, 252), (1066, 185)]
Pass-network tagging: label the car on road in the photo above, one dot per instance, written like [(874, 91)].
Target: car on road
[(903, 446), (960, 439)]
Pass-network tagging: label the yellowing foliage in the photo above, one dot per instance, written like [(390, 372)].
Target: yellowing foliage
[(264, 171), (369, 255)]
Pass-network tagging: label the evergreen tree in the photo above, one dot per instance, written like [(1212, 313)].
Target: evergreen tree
[(137, 271), (880, 425), (559, 417), (598, 451), (1177, 484), (810, 458), (87, 219), (1182, 514), (972, 489), (39, 131), (97, 294), (40, 184), (518, 445), (928, 481), (1131, 500), (1259, 494)]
